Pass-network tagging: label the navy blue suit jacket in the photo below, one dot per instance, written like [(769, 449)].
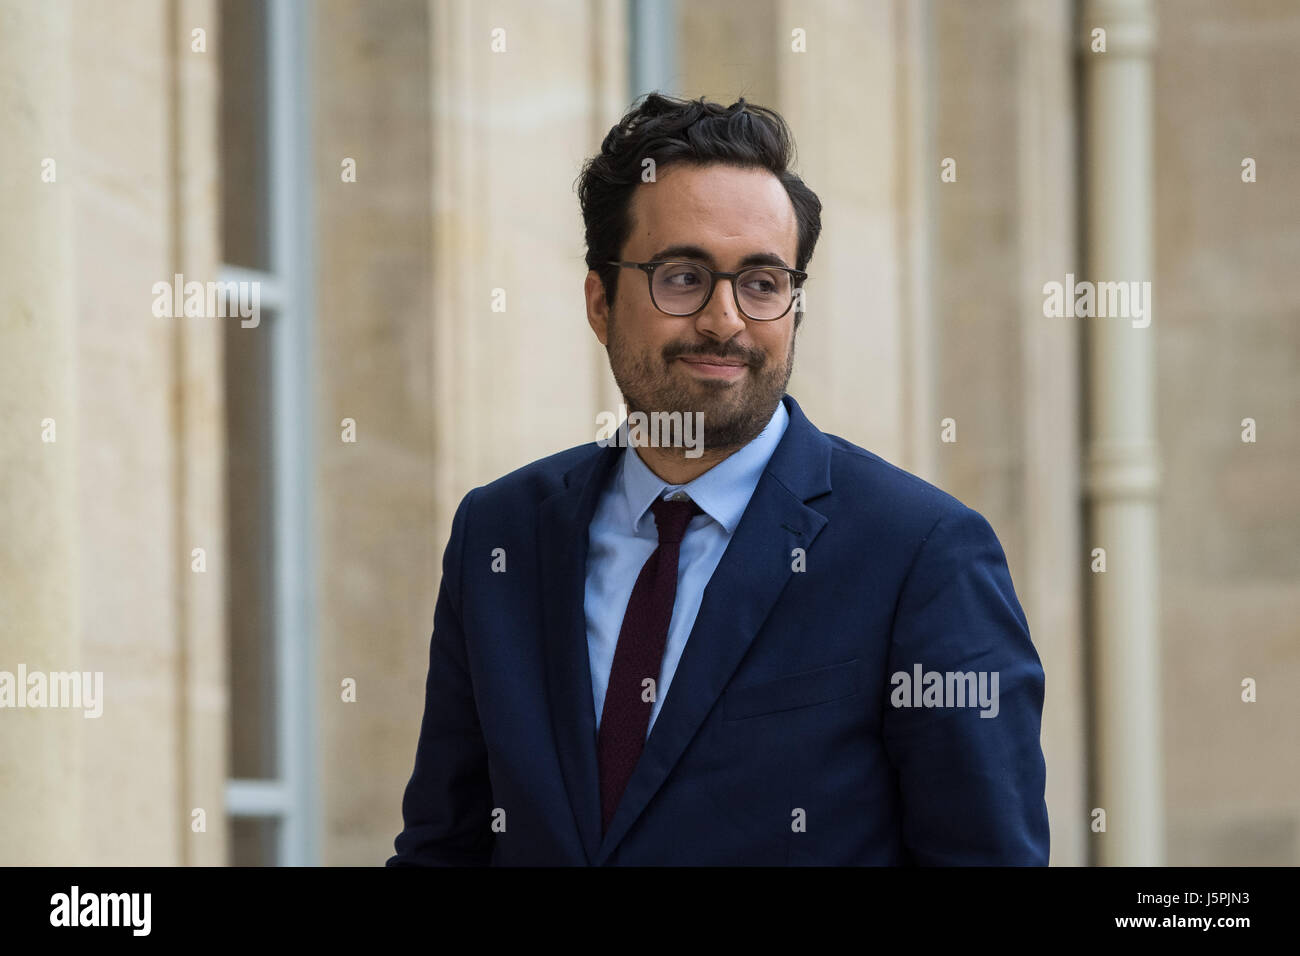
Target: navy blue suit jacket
[(779, 741)]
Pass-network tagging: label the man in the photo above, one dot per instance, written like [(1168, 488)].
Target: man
[(783, 650)]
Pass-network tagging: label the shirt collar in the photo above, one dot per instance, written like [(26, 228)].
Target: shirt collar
[(723, 492)]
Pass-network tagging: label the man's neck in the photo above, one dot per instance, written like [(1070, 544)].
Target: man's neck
[(672, 466), (670, 462)]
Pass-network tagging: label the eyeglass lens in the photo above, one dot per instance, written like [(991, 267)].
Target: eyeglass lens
[(680, 288)]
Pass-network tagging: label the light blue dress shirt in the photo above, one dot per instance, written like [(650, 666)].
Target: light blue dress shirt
[(623, 535)]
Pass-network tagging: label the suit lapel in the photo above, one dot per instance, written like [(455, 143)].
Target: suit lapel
[(739, 597), (562, 555)]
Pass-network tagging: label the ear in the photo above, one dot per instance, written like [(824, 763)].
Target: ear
[(597, 306)]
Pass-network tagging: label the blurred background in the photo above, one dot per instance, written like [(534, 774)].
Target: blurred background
[(241, 525)]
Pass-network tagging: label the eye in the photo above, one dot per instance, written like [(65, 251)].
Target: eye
[(679, 276), (762, 283)]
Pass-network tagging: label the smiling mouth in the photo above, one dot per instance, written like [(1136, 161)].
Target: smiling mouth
[(714, 367), (711, 360)]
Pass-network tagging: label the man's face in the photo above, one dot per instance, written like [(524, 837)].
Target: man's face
[(732, 369)]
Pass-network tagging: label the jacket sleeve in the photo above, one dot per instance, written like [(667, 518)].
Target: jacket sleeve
[(971, 778), (447, 806)]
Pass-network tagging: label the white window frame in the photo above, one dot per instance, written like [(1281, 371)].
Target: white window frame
[(653, 24), (291, 797)]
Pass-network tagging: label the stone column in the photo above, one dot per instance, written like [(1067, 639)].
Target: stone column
[(199, 419), (40, 791), (1049, 581), (851, 369)]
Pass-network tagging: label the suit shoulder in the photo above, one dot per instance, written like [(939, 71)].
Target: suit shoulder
[(538, 479), (891, 490)]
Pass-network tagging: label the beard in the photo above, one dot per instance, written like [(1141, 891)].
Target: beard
[(734, 412)]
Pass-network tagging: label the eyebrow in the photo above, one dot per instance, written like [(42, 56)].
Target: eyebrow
[(687, 251)]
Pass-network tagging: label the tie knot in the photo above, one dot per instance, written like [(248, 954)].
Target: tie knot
[(671, 517)]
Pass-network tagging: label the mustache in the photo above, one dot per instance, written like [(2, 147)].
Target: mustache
[(754, 357)]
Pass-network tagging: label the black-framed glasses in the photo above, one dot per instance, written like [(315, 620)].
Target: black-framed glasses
[(680, 287)]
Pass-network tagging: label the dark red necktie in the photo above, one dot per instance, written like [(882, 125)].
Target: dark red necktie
[(639, 654)]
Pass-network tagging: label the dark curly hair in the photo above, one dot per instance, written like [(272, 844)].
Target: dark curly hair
[(671, 130)]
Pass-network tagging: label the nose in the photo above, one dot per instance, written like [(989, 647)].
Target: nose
[(720, 319)]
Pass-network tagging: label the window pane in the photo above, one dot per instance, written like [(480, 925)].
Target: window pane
[(244, 161), (250, 543), (253, 841)]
